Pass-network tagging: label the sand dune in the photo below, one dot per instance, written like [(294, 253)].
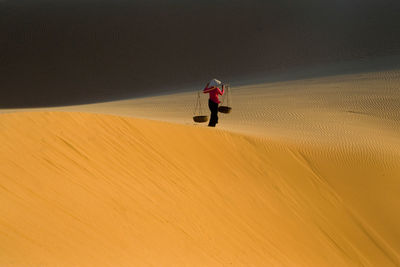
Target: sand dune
[(301, 173), (304, 172), (346, 110), (81, 189)]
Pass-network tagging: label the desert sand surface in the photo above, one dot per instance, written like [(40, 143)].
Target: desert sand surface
[(340, 109), (301, 173)]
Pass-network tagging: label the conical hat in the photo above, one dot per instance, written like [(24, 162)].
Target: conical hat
[(214, 82)]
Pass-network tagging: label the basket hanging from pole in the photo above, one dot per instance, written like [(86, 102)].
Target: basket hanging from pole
[(198, 111), (225, 106)]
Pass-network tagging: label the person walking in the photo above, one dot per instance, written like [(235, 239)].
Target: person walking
[(212, 89)]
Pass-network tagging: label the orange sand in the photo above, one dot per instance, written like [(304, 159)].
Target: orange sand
[(80, 189)]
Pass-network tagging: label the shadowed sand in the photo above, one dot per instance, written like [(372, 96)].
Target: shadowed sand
[(56, 53), (313, 182)]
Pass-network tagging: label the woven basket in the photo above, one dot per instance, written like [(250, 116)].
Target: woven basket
[(224, 109), (200, 118)]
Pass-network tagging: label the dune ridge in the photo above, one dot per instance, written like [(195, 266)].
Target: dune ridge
[(94, 189), (359, 111)]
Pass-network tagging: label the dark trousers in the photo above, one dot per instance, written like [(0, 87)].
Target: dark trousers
[(214, 113)]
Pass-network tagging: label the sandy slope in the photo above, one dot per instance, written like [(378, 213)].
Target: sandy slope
[(347, 109), (307, 175), (100, 190)]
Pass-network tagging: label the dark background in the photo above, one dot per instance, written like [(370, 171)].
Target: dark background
[(73, 52)]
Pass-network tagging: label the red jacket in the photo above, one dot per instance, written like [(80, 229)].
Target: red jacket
[(214, 92)]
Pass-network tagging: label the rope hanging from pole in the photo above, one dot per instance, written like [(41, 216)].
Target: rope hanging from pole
[(225, 106), (198, 114)]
